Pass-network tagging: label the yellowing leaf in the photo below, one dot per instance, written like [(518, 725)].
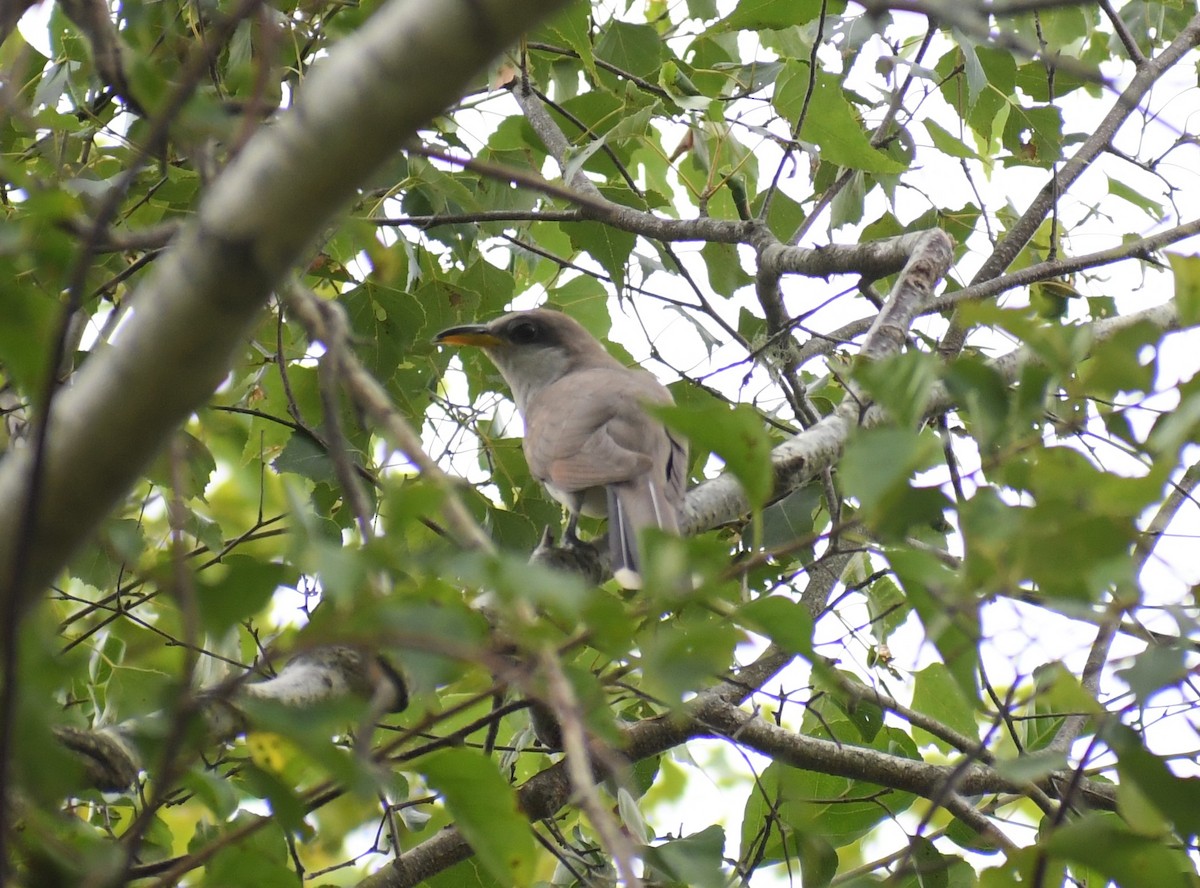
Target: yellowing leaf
[(267, 750)]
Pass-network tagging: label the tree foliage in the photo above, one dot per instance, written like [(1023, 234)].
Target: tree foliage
[(269, 603)]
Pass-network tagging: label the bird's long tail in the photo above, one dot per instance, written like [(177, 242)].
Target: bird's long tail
[(631, 507)]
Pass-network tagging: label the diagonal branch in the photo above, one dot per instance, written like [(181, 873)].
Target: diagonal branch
[(315, 315), (716, 713), (1025, 227), (193, 311), (802, 458)]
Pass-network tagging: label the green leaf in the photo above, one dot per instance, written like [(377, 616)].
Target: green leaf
[(791, 519), (1120, 364), (849, 203), (286, 806), (1033, 135), (30, 321), (305, 457), (1032, 766), (679, 86), (929, 865), (1157, 668), (1102, 843), (949, 613), (1178, 798), (260, 860), (631, 817), (976, 78), (633, 126), (237, 589), (837, 703), (757, 15), (784, 215), (441, 626), (484, 807), (945, 142), (725, 272), (937, 694), (1187, 287), (608, 246), (829, 122), (1057, 691), (185, 466), (965, 837), (734, 433), (1153, 208), (585, 299), (900, 384), (694, 860), (807, 803), (468, 874), (990, 76), (887, 607), (43, 768), (217, 793), (682, 654), (1177, 427), (513, 579), (786, 622), (101, 563), (636, 49), (573, 27), (876, 469), (818, 860)]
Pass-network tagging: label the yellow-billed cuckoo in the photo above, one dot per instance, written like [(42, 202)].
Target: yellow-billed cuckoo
[(587, 438)]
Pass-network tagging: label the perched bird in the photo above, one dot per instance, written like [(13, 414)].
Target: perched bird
[(587, 437)]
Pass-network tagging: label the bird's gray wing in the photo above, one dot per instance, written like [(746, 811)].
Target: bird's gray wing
[(586, 431), (591, 430), (652, 499)]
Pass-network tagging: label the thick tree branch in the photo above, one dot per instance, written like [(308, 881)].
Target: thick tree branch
[(193, 311), (861, 763)]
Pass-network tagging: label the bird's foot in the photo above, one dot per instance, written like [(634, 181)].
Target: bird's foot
[(571, 540), (572, 555)]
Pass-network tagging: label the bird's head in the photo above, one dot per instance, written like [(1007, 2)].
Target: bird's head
[(531, 349)]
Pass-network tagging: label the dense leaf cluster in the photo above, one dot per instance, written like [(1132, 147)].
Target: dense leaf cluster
[(928, 608)]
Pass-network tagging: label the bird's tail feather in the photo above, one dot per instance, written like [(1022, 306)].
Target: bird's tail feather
[(622, 538), (632, 507)]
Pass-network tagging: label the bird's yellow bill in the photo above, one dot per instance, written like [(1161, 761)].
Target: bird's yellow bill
[(476, 336)]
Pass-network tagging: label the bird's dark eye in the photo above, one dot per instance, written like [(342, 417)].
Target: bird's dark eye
[(524, 333)]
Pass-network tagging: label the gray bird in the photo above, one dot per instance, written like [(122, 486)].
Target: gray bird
[(587, 437)]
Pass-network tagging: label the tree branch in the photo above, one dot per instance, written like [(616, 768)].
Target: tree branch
[(193, 311), (1020, 233), (113, 756), (799, 460)]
